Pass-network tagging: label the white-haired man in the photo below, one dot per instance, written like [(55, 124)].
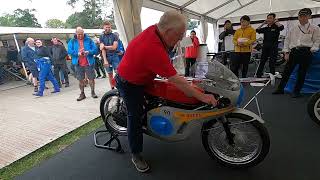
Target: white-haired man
[(147, 56), (28, 56)]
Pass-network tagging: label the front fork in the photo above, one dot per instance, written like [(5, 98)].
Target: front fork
[(226, 127)]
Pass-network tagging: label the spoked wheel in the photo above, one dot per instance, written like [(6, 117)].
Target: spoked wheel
[(114, 113), (314, 107), (246, 144)]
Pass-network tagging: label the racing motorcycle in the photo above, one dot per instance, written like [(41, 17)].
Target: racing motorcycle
[(233, 136)]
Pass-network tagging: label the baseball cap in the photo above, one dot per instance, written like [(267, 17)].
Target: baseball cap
[(305, 12)]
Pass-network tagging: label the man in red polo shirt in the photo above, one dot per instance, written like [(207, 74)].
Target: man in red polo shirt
[(146, 56)]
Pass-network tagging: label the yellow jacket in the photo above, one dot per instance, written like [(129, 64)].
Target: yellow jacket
[(248, 33)]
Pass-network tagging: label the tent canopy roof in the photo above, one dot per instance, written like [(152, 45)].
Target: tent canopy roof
[(230, 9)]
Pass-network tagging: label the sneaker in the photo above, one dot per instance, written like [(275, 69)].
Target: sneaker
[(104, 76), (278, 91), (55, 91), (35, 89), (98, 76), (38, 94), (94, 95), (67, 85), (140, 164), (81, 97)]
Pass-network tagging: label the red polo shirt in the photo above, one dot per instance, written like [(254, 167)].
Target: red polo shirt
[(82, 61), (145, 57)]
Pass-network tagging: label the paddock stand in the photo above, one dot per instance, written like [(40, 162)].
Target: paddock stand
[(108, 145)]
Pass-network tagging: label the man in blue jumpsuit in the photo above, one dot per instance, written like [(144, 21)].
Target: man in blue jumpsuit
[(44, 66)]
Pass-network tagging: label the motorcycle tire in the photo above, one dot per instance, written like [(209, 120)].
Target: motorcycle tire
[(210, 135), (114, 115), (313, 107)]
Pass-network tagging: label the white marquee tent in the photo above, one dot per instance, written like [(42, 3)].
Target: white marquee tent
[(128, 21)]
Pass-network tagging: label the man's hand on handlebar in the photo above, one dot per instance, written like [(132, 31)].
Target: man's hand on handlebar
[(209, 99)]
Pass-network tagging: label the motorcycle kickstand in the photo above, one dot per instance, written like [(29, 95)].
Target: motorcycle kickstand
[(226, 128)]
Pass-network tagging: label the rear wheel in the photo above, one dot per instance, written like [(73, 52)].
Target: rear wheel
[(114, 113), (248, 146)]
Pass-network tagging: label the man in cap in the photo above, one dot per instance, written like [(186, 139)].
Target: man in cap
[(301, 42)]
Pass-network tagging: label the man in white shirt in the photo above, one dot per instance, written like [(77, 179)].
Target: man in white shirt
[(301, 42)]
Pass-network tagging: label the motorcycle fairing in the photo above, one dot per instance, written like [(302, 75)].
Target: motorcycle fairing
[(174, 124)]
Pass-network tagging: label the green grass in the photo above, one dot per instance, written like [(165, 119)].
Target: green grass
[(47, 151)]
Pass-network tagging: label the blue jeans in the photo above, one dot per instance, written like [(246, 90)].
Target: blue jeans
[(113, 61), (133, 96)]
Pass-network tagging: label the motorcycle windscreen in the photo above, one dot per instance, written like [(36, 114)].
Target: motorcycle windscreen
[(221, 75)]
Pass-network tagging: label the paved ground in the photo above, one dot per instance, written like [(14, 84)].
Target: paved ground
[(28, 123)]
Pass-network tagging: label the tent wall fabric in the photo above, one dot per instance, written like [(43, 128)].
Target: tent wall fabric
[(127, 18), (204, 29)]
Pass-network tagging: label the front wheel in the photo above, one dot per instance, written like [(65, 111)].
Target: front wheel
[(248, 146), (314, 107)]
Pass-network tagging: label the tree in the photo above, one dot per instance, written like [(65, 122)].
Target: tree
[(77, 19), (55, 23), (192, 24), (110, 18), (20, 18), (25, 18), (92, 16), (7, 20)]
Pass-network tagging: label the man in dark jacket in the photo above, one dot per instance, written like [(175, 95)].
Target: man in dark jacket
[(270, 42), (228, 31), (58, 54), (28, 55), (99, 61)]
